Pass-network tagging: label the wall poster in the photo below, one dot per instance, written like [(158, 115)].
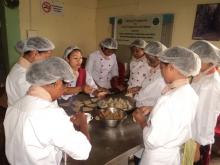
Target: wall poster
[(152, 27), (145, 27), (207, 22)]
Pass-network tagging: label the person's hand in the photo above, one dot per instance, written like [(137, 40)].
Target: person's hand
[(72, 90), (146, 109), (100, 89), (88, 89), (65, 89), (117, 84), (79, 119), (133, 90), (139, 117), (101, 94), (120, 87), (79, 89)]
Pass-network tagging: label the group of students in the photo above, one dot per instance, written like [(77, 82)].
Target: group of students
[(182, 108), (35, 133), (37, 130), (176, 91)]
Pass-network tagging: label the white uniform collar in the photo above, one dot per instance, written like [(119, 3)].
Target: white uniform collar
[(24, 63), (104, 56), (174, 85), (200, 76), (144, 59), (40, 92)]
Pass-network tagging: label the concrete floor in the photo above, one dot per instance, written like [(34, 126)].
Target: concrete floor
[(3, 161)]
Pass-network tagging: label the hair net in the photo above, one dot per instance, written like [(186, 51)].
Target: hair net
[(19, 47), (207, 52), (109, 43), (139, 43), (69, 50), (184, 60), (37, 43), (154, 48), (49, 71)]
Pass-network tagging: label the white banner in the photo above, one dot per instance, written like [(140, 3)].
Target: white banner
[(147, 27)]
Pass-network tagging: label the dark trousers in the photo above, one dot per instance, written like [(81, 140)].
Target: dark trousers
[(205, 153)]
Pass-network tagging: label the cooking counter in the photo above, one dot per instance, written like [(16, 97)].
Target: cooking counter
[(109, 143)]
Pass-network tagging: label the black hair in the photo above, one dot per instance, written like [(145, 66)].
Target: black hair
[(74, 50)]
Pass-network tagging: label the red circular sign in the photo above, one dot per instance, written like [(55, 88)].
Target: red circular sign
[(46, 6)]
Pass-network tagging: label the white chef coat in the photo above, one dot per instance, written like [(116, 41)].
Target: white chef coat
[(101, 68), (169, 126), (208, 89), (151, 89), (89, 81), (16, 84), (138, 71), (37, 131)]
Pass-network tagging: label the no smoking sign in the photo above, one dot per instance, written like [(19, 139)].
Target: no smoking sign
[(46, 6)]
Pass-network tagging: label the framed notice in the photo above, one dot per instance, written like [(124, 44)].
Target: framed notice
[(145, 27), (153, 27)]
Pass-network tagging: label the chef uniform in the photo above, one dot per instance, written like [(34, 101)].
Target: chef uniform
[(16, 84), (208, 89), (169, 126), (102, 68), (37, 130), (138, 71), (207, 86), (151, 88)]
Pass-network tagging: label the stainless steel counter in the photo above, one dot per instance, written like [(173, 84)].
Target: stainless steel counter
[(109, 143)]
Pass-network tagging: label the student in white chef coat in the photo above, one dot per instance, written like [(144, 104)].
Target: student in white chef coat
[(83, 82), (102, 64), (154, 83), (138, 66), (33, 49), (37, 130), (207, 86), (169, 123)]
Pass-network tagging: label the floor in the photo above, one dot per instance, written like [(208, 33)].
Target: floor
[(215, 160)]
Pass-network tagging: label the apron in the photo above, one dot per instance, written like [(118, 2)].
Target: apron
[(81, 80), (188, 152)]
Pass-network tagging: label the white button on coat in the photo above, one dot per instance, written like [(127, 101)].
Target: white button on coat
[(138, 72)]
